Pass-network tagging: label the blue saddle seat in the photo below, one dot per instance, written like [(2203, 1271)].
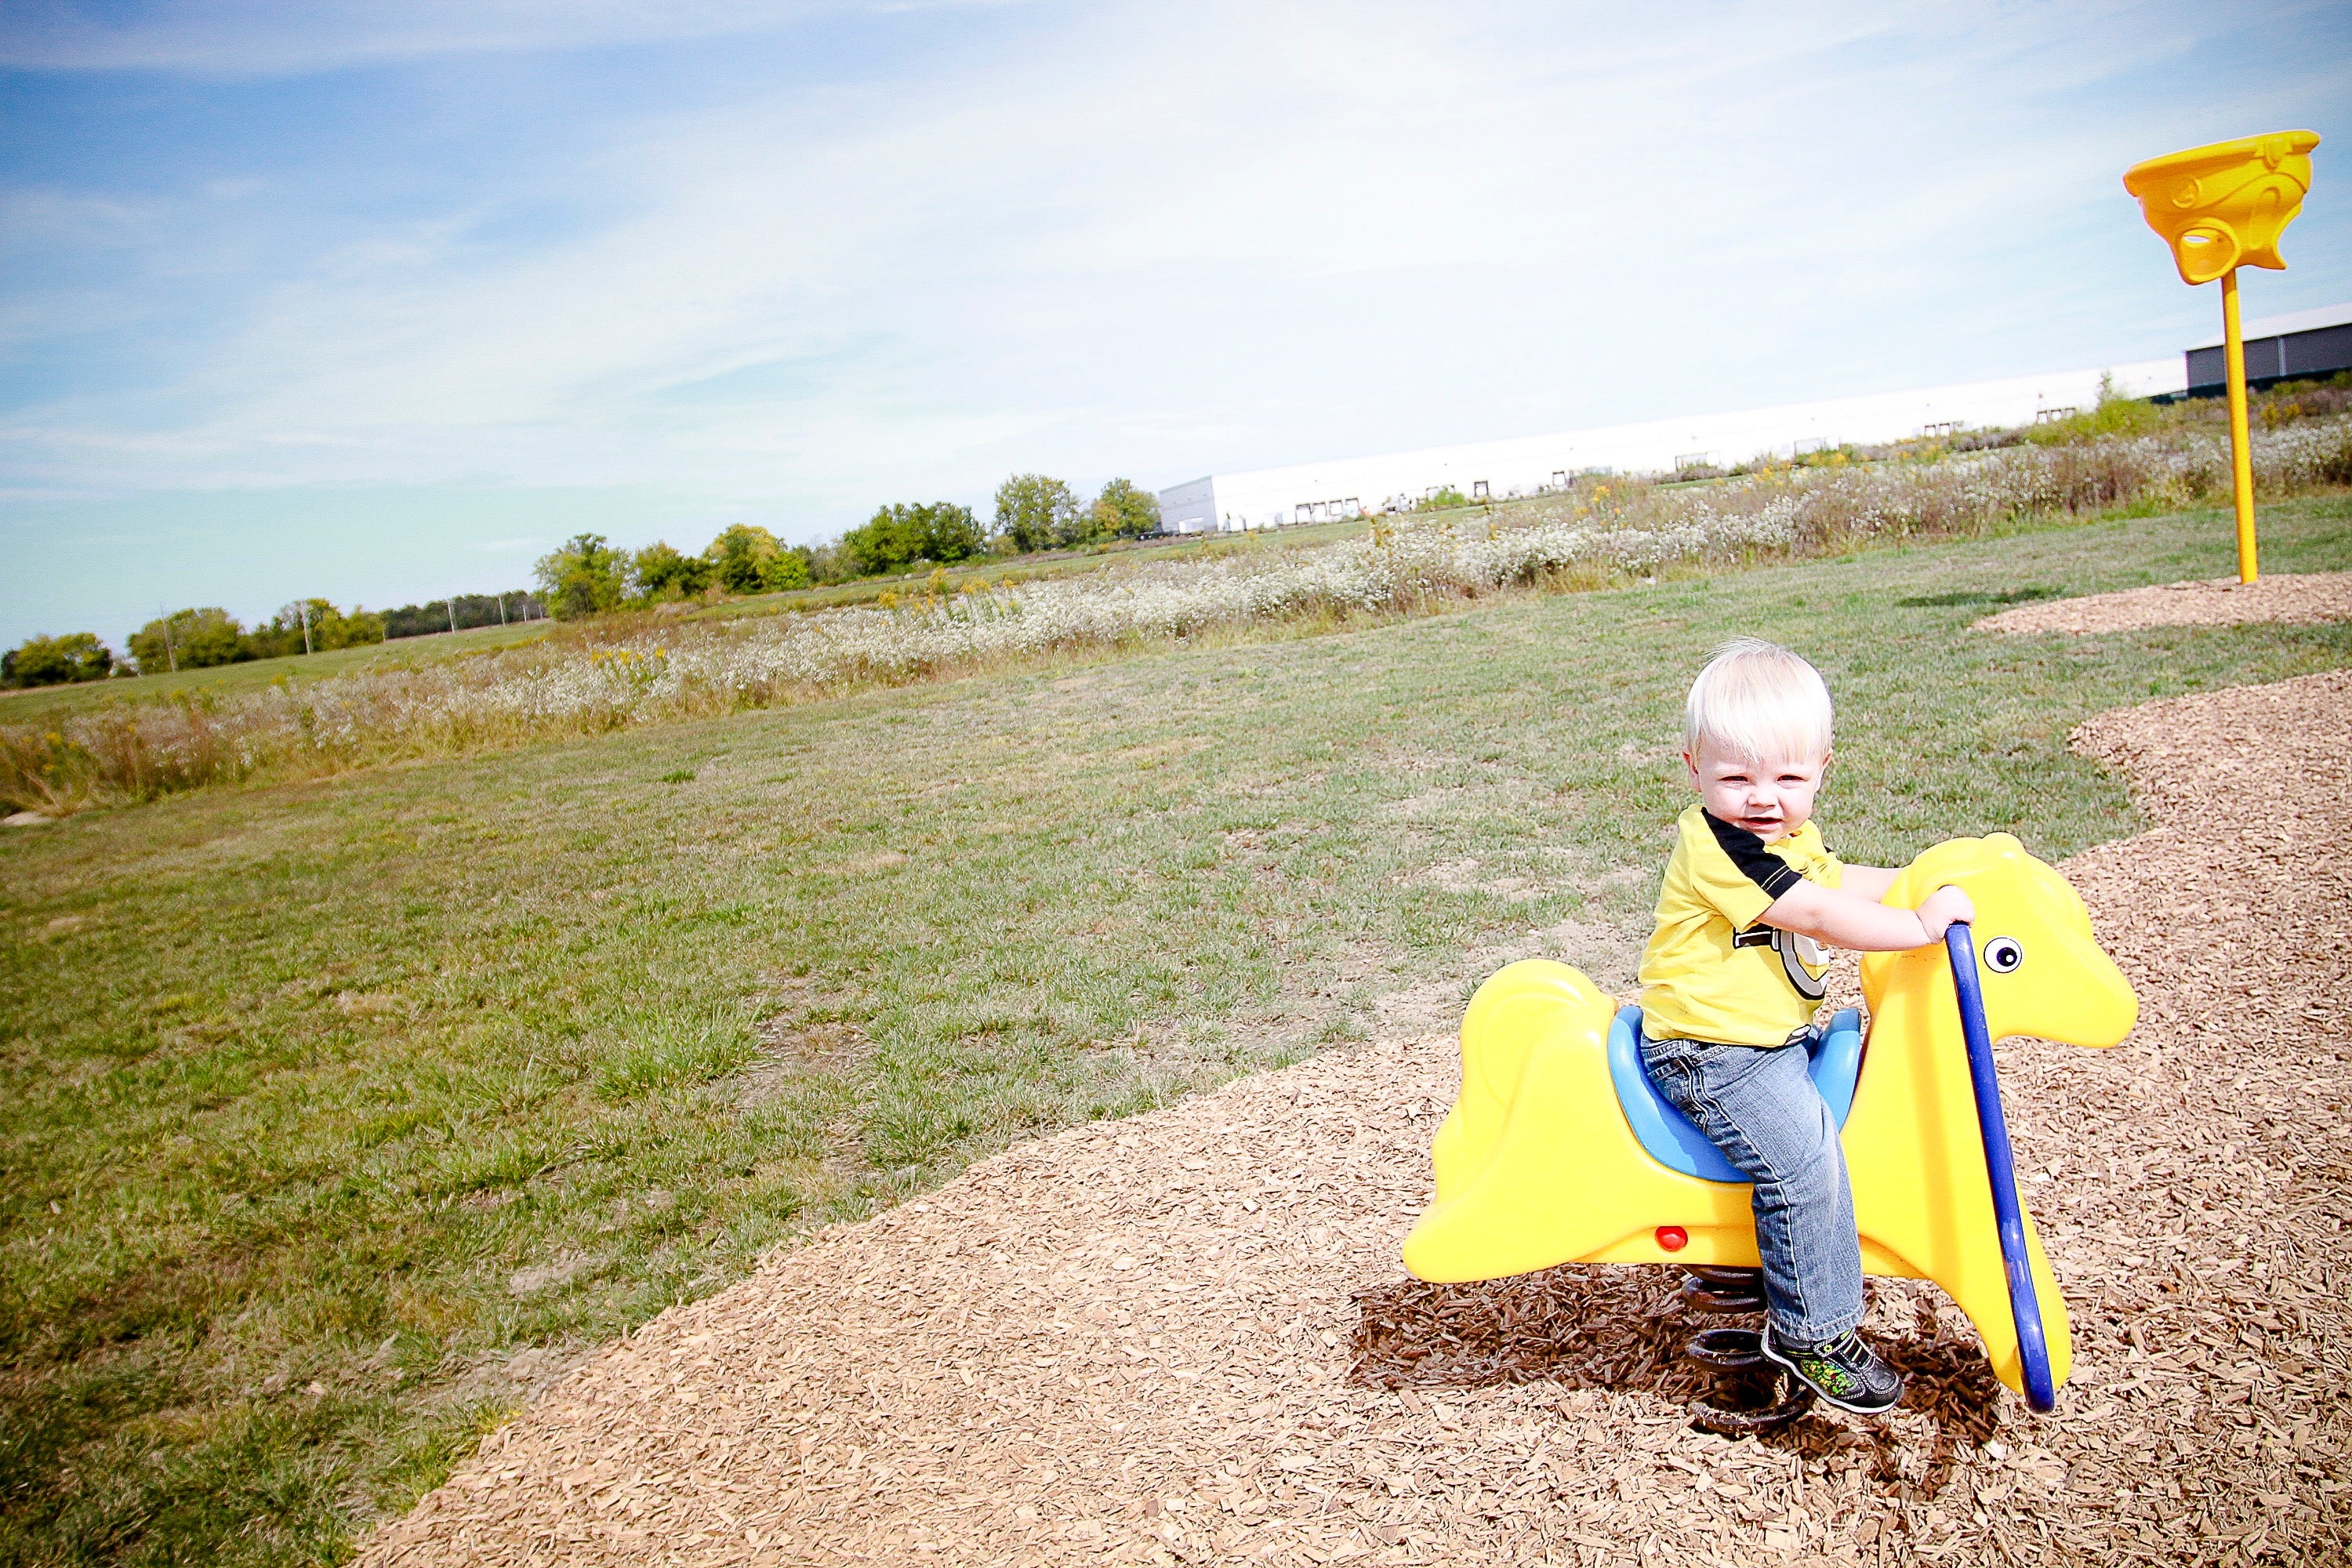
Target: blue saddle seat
[(1670, 1137)]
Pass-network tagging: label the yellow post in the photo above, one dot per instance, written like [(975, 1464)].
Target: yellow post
[(2217, 206), (2241, 463)]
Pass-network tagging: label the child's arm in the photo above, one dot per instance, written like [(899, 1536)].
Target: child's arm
[(1843, 917), (1871, 882)]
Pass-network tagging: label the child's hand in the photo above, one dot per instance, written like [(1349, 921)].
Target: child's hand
[(1945, 907)]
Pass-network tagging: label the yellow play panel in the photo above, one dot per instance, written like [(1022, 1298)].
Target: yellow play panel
[(2220, 207)]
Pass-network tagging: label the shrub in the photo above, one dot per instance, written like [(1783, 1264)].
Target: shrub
[(1124, 510), (314, 626), (2114, 415), (189, 640), (1034, 512), (585, 577), (664, 574), (746, 559), (826, 562), (56, 661), (896, 537), (789, 569)]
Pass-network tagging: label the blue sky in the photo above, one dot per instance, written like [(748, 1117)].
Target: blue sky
[(379, 301)]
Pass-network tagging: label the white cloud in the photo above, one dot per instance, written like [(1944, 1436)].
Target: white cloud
[(1157, 240), (274, 38)]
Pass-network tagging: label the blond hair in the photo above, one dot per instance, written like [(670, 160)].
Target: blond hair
[(1758, 702)]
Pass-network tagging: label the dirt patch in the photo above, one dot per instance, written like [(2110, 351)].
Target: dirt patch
[(1186, 1337), (547, 1276), (805, 1029), (2222, 600)]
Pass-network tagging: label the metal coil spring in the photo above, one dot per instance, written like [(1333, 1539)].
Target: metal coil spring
[(1749, 1396)]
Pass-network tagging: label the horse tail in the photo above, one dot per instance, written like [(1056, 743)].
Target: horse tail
[(1518, 1008)]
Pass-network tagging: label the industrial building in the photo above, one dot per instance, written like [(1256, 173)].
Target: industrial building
[(2306, 345), (1316, 492)]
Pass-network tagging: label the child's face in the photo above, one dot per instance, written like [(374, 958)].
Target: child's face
[(1769, 798)]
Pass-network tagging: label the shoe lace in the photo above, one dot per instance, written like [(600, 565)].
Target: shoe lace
[(1847, 1349)]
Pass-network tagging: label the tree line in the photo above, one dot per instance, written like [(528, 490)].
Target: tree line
[(202, 637), (463, 612), (588, 575)]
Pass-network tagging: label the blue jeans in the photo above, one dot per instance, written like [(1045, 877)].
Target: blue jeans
[(1758, 1105)]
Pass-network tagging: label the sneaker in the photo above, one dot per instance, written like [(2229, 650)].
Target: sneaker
[(1843, 1371)]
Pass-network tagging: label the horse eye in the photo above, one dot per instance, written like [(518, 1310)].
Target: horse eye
[(2003, 955)]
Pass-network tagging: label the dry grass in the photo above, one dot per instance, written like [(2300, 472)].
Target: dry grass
[(640, 670)]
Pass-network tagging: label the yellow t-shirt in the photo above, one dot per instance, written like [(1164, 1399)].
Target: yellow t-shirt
[(1711, 971)]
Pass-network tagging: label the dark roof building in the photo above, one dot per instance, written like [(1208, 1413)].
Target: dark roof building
[(2308, 345)]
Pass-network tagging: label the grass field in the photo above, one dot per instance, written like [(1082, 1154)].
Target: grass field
[(336, 1113), (36, 704), (33, 704), (670, 665)]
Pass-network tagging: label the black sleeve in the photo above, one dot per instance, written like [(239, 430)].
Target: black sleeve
[(1746, 852)]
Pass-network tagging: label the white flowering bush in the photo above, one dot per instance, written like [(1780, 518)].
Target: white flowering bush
[(137, 751)]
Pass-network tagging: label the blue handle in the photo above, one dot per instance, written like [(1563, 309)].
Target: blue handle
[(2041, 1392)]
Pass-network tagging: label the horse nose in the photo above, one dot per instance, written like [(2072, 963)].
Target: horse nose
[(2098, 1007)]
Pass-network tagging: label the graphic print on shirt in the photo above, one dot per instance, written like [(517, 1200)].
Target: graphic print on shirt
[(1804, 961)]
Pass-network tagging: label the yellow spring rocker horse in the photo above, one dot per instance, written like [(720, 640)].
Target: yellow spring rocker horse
[(1559, 1150)]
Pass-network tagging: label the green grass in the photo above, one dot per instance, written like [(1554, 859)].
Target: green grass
[(367, 1084), (36, 703)]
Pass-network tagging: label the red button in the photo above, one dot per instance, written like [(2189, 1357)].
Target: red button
[(1673, 1237)]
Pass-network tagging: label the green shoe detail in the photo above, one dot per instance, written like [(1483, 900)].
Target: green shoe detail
[(1842, 1371)]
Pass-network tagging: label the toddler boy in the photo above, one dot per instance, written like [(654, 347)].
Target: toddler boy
[(1732, 978)]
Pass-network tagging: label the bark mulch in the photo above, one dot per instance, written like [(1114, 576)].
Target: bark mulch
[(1186, 1337), (2222, 601)]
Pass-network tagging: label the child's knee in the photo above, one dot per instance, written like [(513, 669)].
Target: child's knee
[(1812, 1168)]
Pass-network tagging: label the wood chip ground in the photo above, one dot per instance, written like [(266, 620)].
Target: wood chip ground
[(1187, 1338), (2222, 601)]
